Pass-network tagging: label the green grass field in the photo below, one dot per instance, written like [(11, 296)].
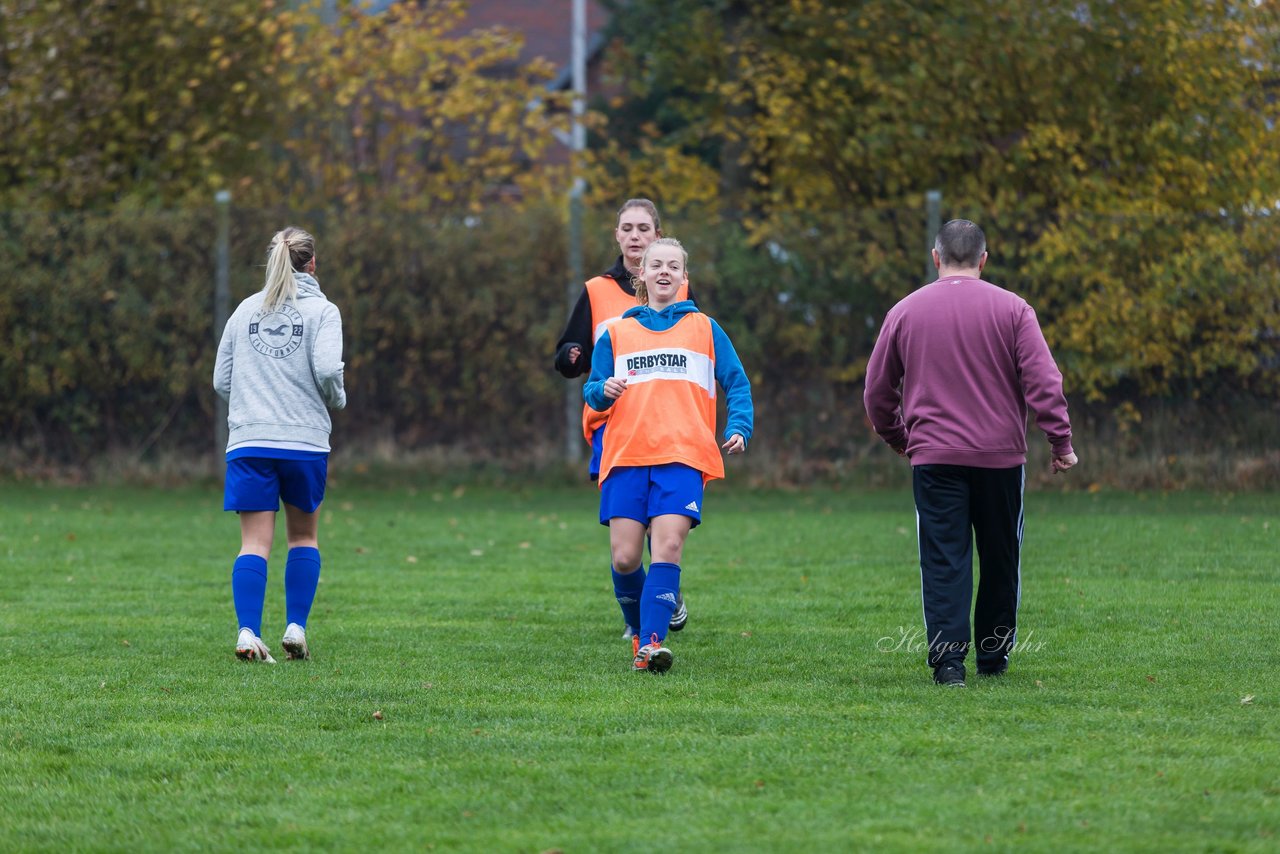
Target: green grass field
[(1141, 713)]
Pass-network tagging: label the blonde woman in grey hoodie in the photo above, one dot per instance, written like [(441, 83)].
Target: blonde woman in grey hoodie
[(279, 368)]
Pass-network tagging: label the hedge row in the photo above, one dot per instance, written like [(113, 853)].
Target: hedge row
[(109, 339)]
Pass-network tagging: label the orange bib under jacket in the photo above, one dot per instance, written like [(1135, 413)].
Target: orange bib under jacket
[(608, 303), (668, 412)]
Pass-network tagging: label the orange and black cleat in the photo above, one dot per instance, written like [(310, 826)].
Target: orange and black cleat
[(653, 656)]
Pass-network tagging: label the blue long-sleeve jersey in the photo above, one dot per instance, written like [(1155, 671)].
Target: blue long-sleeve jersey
[(729, 372)]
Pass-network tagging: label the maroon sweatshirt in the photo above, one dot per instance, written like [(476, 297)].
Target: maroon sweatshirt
[(955, 367)]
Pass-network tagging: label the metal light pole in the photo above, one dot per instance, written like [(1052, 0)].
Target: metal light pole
[(221, 308), (578, 144), (933, 224)]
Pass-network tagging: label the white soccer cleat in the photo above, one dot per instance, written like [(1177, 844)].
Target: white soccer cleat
[(626, 633), (295, 643), (681, 616), (249, 647)]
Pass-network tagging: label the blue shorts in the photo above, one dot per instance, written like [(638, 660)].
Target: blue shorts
[(642, 492), (257, 483), (597, 451)]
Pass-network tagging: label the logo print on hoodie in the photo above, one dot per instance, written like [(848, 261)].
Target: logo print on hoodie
[(276, 332)]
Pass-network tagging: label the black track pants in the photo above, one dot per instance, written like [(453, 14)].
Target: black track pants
[(956, 506)]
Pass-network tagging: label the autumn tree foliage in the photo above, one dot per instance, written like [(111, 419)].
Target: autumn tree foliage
[(403, 108), (104, 101), (164, 101), (1123, 156)]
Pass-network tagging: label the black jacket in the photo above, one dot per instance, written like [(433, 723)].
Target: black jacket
[(579, 331)]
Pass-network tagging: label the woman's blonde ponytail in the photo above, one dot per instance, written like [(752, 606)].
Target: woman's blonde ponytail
[(291, 249)]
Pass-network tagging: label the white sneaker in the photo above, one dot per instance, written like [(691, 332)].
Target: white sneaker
[(249, 647), (295, 643)]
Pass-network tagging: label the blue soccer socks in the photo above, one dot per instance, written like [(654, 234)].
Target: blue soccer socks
[(658, 602), (301, 575), (249, 589), (628, 589)]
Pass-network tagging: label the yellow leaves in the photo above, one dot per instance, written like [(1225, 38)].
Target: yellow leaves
[(1166, 299), (402, 74)]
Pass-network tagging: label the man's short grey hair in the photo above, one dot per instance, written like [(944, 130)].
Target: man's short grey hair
[(960, 243)]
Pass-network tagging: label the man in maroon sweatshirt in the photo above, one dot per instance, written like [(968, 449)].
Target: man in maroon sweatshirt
[(957, 365)]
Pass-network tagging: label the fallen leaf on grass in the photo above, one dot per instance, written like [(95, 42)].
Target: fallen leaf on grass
[(1246, 700), (125, 643), (377, 716), (410, 559), (1151, 679), (1039, 684), (746, 634), (477, 552)]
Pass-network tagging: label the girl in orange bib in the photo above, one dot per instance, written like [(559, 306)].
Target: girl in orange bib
[(603, 301), (655, 372)]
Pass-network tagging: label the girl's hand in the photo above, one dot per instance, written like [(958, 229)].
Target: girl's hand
[(614, 387), (735, 445)]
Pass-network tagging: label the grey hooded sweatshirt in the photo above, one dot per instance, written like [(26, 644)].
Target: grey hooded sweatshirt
[(278, 369)]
